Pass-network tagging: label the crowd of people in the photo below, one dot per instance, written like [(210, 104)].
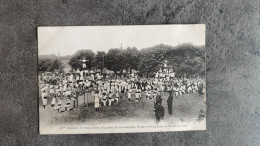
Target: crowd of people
[(64, 89)]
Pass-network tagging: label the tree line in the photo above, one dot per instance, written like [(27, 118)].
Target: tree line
[(48, 63), (183, 59)]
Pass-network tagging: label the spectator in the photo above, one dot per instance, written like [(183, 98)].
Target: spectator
[(159, 112)]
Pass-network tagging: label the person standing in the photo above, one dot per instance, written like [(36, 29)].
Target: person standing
[(155, 93), (150, 94), (139, 93), (67, 104), (44, 98), (129, 94), (117, 97), (96, 97), (51, 89), (146, 93), (158, 100), (110, 98), (136, 95), (59, 104), (169, 102), (74, 97), (159, 112), (84, 63), (104, 99), (53, 102)]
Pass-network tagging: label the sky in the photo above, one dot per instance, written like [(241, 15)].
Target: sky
[(68, 39)]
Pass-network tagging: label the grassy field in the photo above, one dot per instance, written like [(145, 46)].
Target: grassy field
[(185, 108)]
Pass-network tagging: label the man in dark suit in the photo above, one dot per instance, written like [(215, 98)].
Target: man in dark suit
[(169, 102), (158, 100), (159, 112)]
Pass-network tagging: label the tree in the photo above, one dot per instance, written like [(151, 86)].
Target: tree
[(182, 59), (152, 59), (48, 63), (188, 59), (75, 60), (99, 60), (130, 58), (113, 60)]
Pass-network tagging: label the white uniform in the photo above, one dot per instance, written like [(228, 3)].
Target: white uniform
[(77, 78), (176, 91), (57, 89), (117, 97), (136, 94), (110, 99), (59, 104), (112, 87), (180, 92), (98, 76), (44, 98), (183, 89), (64, 89), (51, 89), (129, 94), (67, 103), (189, 88), (81, 73), (104, 100), (154, 94), (92, 77), (53, 102), (149, 94), (196, 87), (96, 97), (128, 86), (93, 93)]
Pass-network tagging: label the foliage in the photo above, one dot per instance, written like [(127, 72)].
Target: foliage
[(48, 63), (114, 60), (75, 60), (99, 60), (130, 58), (183, 59)]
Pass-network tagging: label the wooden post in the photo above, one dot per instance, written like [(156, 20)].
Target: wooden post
[(84, 97), (87, 99), (77, 100)]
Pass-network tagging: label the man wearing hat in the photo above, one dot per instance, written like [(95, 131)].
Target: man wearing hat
[(158, 100)]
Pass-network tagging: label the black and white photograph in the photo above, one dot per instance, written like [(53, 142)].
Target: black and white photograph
[(121, 79)]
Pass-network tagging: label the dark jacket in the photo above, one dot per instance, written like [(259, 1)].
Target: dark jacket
[(158, 100), (170, 99), (159, 111)]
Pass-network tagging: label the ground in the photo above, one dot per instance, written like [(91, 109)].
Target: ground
[(186, 108)]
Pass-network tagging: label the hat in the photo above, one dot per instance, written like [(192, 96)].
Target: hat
[(170, 91)]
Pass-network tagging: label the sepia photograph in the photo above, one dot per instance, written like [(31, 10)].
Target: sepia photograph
[(121, 79)]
